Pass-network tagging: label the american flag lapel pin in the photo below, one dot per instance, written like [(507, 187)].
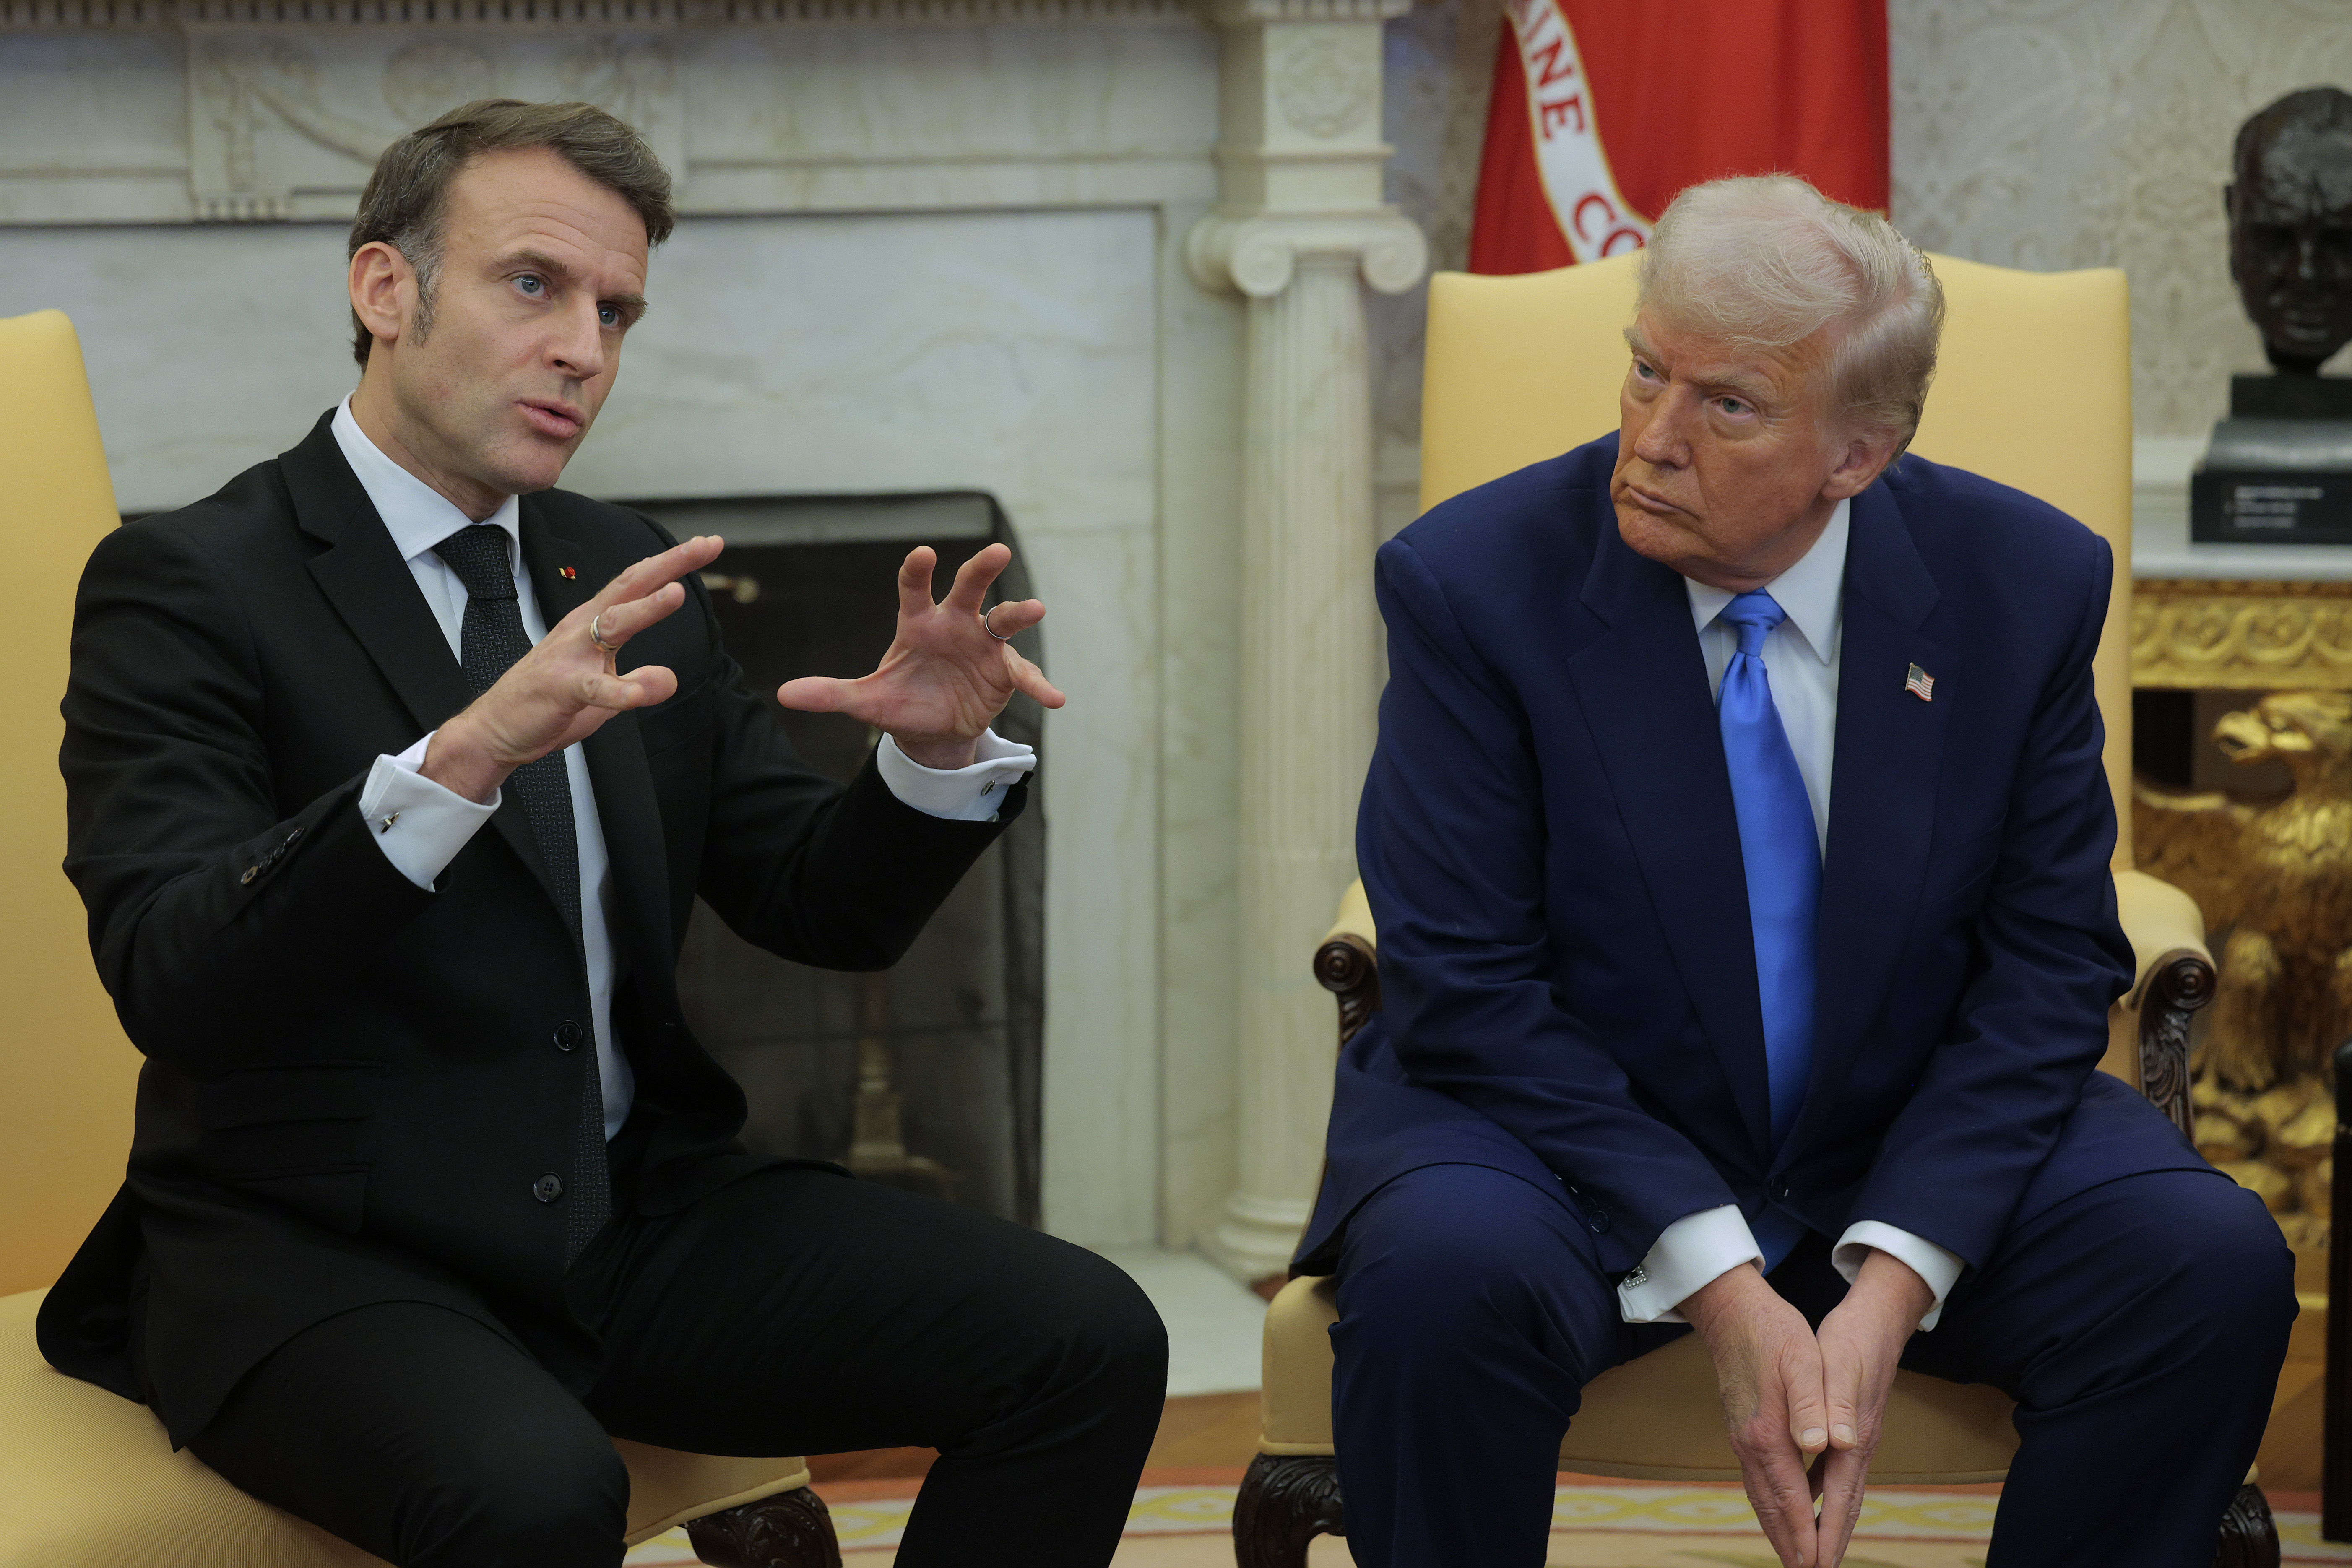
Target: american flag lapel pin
[(570, 574), (1920, 684)]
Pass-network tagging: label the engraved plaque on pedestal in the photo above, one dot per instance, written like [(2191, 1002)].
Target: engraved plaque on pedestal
[(2279, 470)]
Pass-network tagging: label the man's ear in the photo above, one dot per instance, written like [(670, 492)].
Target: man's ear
[(1864, 459), (383, 289)]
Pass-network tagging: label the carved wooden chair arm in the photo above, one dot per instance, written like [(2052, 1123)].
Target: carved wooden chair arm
[(2177, 985), (1348, 963)]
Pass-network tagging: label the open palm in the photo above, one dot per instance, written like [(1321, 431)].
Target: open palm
[(944, 679)]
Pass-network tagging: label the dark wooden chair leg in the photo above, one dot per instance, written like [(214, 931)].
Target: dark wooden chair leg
[(1285, 1501), (2249, 1534), (790, 1530)]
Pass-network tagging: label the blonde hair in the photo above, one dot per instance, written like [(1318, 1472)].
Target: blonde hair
[(1766, 261)]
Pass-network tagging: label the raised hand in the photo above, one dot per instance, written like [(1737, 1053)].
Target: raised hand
[(945, 677), (1769, 1369), (563, 689), (1861, 1342)]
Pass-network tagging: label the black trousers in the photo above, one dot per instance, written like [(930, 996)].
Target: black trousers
[(794, 1311)]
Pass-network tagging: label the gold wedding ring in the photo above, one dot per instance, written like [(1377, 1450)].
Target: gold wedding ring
[(596, 636)]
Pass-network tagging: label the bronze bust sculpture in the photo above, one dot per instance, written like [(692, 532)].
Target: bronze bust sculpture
[(2290, 205), (2279, 469)]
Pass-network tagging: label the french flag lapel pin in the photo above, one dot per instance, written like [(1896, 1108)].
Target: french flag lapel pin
[(1920, 684)]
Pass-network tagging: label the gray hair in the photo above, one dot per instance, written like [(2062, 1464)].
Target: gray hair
[(1766, 261)]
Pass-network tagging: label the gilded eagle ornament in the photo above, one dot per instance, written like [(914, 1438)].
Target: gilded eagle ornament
[(2275, 884)]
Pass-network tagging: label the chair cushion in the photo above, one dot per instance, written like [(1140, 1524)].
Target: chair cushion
[(89, 1481), (1657, 1419)]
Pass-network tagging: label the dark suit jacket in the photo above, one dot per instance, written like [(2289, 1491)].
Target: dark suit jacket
[(352, 1084), (1547, 841)]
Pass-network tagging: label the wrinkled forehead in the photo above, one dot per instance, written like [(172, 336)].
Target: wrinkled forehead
[(1709, 357), (533, 201)]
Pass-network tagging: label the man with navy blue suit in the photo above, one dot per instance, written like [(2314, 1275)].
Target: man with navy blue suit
[(1739, 842)]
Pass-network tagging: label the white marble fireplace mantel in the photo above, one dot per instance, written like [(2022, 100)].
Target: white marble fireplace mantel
[(922, 244), (157, 111)]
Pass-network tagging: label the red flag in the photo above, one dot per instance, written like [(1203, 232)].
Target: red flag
[(1604, 109)]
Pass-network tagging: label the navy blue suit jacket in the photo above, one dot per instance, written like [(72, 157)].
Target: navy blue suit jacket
[(1548, 842)]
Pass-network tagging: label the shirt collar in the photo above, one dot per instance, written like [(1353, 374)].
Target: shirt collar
[(417, 516), (1812, 592)]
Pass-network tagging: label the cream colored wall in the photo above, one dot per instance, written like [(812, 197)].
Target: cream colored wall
[(2053, 134)]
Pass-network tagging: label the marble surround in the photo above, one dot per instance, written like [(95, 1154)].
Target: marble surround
[(924, 243)]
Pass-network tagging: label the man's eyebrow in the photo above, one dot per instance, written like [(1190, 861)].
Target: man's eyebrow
[(1754, 388), (539, 261)]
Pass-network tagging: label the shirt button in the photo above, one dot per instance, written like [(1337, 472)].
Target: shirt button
[(547, 1188), (567, 1035)]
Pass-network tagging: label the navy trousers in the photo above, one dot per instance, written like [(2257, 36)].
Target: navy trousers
[(2139, 1325)]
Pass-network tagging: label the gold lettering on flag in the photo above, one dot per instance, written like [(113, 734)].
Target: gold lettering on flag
[(1594, 216)]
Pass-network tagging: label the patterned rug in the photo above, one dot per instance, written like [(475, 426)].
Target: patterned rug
[(1594, 1525)]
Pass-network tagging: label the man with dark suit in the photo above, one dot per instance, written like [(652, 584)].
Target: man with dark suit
[(432, 1189), (1739, 843)]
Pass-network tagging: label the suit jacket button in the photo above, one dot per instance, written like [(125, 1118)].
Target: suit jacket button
[(1781, 1192), (567, 1035), (547, 1188), (1598, 1220)]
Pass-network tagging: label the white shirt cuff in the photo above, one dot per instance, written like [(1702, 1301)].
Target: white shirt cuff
[(960, 795), (1693, 1252), (418, 825), (1939, 1269)]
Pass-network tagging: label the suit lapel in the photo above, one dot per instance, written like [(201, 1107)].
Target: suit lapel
[(362, 575), (616, 753), (1643, 687), (1883, 787), (370, 585)]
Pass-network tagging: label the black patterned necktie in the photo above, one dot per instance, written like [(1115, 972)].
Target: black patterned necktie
[(491, 639)]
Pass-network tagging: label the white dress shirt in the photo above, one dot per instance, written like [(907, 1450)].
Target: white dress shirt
[(421, 826), (1801, 660)]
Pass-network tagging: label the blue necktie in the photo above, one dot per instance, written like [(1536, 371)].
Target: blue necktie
[(1782, 853)]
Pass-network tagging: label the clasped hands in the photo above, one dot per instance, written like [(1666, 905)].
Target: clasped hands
[(943, 680), (1804, 1409)]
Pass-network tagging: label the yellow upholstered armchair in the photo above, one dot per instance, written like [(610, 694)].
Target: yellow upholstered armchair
[(89, 1479), (2034, 391)]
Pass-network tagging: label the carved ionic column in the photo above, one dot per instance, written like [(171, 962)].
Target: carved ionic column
[(1300, 231)]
